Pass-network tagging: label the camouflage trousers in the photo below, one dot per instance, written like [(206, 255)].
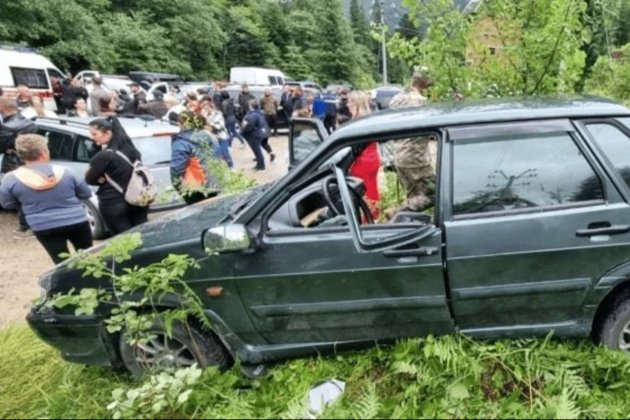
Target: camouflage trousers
[(411, 159), (419, 185)]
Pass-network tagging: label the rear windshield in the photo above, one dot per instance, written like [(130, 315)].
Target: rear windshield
[(33, 78), (154, 150)]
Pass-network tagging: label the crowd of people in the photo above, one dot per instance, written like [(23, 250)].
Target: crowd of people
[(48, 196)]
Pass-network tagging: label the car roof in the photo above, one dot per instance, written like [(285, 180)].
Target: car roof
[(135, 127), (484, 111)]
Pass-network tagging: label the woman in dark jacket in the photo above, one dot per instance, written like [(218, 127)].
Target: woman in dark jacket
[(109, 134), (255, 131)]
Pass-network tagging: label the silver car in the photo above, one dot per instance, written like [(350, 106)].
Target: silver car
[(70, 145)]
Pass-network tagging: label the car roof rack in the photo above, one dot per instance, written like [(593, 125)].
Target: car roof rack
[(63, 120)]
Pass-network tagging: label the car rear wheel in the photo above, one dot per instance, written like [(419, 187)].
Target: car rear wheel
[(185, 347), (97, 225), (615, 330)]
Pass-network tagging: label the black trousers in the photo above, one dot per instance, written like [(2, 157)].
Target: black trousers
[(265, 145), (55, 241), (272, 123), (120, 216)]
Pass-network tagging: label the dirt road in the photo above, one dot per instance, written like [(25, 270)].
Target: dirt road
[(22, 260)]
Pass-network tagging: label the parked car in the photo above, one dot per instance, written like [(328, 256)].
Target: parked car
[(335, 87), (110, 81), (70, 145), (257, 76), (529, 234), (307, 86), (152, 77), (200, 88), (383, 95)]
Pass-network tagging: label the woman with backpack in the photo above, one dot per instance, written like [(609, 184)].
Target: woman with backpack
[(191, 150), (111, 169)]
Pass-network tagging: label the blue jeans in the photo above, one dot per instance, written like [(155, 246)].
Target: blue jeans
[(233, 132), (223, 151)]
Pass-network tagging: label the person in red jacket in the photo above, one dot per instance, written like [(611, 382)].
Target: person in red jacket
[(368, 162)]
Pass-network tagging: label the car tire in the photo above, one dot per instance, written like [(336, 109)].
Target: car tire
[(615, 329), (186, 345), (97, 225)]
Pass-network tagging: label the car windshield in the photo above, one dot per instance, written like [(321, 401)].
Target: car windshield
[(154, 150)]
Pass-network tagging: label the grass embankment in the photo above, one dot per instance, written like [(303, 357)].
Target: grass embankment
[(445, 378)]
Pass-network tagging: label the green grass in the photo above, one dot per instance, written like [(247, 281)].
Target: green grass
[(35, 382), (449, 377)]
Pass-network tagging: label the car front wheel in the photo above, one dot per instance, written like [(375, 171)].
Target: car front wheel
[(615, 330), (184, 347), (97, 225)]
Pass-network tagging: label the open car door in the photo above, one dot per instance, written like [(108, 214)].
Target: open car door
[(305, 135)]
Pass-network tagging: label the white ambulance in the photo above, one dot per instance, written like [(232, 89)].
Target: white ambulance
[(23, 66)]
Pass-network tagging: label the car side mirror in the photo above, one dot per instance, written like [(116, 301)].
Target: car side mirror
[(226, 238)]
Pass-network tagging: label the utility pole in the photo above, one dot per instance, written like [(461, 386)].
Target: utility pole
[(382, 3)]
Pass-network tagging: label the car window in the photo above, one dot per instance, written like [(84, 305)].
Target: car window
[(154, 150), (86, 148), (382, 192), (615, 145), (512, 172), (33, 78), (60, 145)]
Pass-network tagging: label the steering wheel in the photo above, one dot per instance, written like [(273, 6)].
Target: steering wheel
[(334, 200)]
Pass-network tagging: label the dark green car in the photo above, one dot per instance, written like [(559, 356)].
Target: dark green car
[(530, 233)]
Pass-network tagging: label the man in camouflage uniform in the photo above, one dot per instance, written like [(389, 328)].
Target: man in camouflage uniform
[(411, 155)]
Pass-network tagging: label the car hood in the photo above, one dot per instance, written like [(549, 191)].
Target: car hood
[(187, 223)]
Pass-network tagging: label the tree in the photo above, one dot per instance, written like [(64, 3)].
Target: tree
[(335, 54), (507, 48), (64, 30), (359, 24), (622, 31), (611, 76), (377, 12), (295, 64)]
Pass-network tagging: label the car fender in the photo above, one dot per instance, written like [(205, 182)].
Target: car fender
[(615, 278)]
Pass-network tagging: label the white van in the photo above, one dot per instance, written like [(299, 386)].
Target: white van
[(23, 66), (257, 76)]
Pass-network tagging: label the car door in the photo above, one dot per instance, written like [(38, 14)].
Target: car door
[(532, 223), (334, 283), (305, 135)]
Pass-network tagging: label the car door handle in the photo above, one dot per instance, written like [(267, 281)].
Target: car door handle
[(609, 230), (422, 251)]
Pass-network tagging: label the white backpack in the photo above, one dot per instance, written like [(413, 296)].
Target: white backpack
[(141, 190)]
